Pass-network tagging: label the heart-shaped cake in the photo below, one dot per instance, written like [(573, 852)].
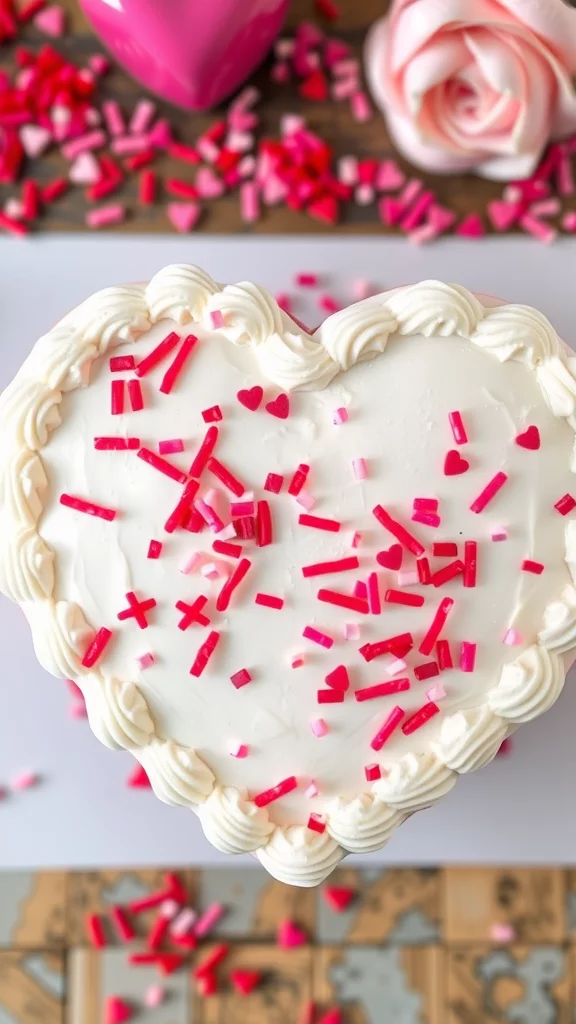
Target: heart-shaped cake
[(253, 551)]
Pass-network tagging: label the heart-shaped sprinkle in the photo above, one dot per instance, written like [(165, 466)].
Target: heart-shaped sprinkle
[(454, 464), (279, 407), (529, 439), (250, 398), (391, 558)]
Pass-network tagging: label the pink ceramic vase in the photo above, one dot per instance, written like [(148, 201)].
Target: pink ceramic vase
[(191, 52)]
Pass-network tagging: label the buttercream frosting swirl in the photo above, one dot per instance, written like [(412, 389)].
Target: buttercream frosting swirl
[(363, 824), (470, 739), (179, 292), (570, 547), (435, 309), (177, 775), (251, 314), (232, 823), (516, 332), (296, 362), (357, 333), (26, 566), (528, 686), (64, 358), (559, 386), (297, 856), (559, 632), (414, 781), (110, 316), (60, 635), (117, 712), (29, 411), (23, 485)]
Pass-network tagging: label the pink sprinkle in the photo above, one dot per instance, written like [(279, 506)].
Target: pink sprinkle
[(348, 170), (297, 660), (426, 518), (249, 202), (569, 221), (27, 780), (213, 571), (498, 533), (145, 660), (311, 791), (130, 144), (471, 227), (105, 216), (339, 416), (241, 508), (183, 923), (374, 594), (92, 140), (144, 111), (209, 919), (307, 280), (394, 667), (502, 933), (228, 533), (512, 638), (360, 469), (489, 492), (170, 447), (319, 727), (239, 750), (355, 539), (85, 170), (408, 579), (425, 504), (329, 304), (154, 996), (458, 428), (361, 107), (389, 177), (306, 500), (545, 207), (436, 692), (503, 214), (209, 515), (51, 20), (538, 229), (113, 117), (241, 678), (317, 637), (351, 631), (183, 216), (191, 562), (467, 656), (217, 319)]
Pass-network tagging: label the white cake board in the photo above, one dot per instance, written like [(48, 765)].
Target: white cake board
[(518, 810)]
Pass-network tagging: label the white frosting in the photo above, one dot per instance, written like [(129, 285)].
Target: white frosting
[(414, 782), (297, 856), (178, 776), (528, 686), (429, 347), (363, 824), (470, 739), (233, 823)]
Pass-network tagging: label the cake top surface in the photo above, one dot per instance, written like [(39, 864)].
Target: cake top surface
[(360, 582)]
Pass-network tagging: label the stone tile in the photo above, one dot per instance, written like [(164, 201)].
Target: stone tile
[(376, 985), (94, 892), (95, 976), (32, 909), (516, 984), (400, 906), (285, 989), (531, 900), (256, 903), (32, 987), (571, 901)]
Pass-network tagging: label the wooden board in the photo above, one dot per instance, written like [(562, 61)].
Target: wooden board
[(463, 194)]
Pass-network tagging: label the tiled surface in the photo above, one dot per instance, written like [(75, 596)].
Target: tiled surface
[(414, 947)]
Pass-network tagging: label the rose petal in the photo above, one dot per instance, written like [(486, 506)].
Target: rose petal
[(555, 23), (444, 57)]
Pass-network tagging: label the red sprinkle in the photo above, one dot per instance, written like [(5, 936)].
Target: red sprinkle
[(116, 444), (458, 429), (426, 671), (135, 395), (282, 789), (204, 452), (330, 696), (535, 567), (299, 479), (489, 492), (354, 604), (233, 581), (317, 523), (245, 527), (403, 597), (242, 508), (417, 720), (274, 483), (205, 652), (225, 476), (565, 505), (88, 507), (382, 689), (192, 613), (157, 354), (316, 824), (436, 626), (162, 465), (122, 924), (95, 930), (119, 364), (467, 656), (117, 397), (393, 720), (223, 547), (263, 524), (444, 655), (212, 415), (470, 563), (448, 572), (269, 601), (155, 549), (398, 531), (445, 549), (323, 568), (177, 517), (137, 609), (372, 772), (241, 678), (97, 647), (322, 639), (211, 961), (175, 369), (373, 593), (338, 678), (425, 504), (423, 569), (392, 645)]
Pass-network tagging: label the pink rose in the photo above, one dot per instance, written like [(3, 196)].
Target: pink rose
[(475, 84)]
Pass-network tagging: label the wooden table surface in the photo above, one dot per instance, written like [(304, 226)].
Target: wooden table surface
[(463, 194)]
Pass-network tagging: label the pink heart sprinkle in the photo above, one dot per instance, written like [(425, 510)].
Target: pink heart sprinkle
[(85, 170), (51, 21), (208, 184), (454, 464), (183, 216), (34, 139)]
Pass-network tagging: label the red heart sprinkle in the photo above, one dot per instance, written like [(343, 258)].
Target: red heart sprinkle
[(391, 558), (250, 398), (530, 439), (454, 464), (279, 407)]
